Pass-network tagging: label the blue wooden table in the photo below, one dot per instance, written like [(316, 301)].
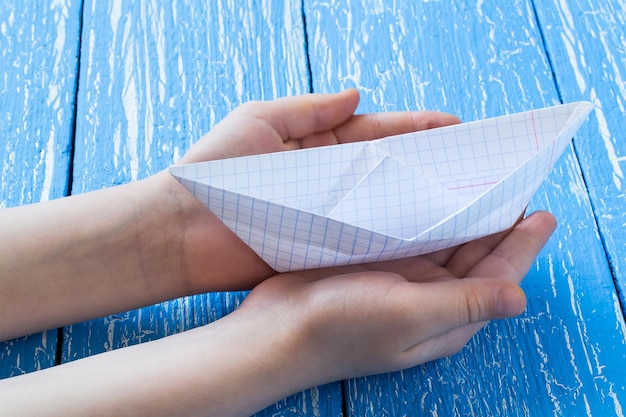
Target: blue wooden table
[(102, 92)]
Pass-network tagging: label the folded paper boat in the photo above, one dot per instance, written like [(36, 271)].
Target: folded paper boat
[(389, 198)]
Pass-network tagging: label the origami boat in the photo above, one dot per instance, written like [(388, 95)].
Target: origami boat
[(389, 198)]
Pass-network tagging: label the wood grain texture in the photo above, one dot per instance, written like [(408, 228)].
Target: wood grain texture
[(157, 76), (154, 77), (38, 64), (586, 42), (565, 355)]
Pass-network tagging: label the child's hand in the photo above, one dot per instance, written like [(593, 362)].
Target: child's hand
[(304, 121), (299, 330), (213, 257), (388, 316)]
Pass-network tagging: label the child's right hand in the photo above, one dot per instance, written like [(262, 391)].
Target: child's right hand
[(383, 317)]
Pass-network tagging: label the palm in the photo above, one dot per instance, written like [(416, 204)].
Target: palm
[(371, 317), (280, 125), (407, 311), (469, 259)]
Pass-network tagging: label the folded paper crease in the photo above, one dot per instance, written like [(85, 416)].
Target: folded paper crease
[(394, 197)]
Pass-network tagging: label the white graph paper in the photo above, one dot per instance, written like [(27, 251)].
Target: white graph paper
[(389, 198)]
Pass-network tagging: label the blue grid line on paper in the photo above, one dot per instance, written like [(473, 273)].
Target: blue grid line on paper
[(244, 216), (265, 235), (475, 215), (306, 252), (499, 203), (320, 231), (341, 227), (293, 241), (492, 202), (525, 177), (252, 211), (237, 210), (363, 240), (393, 252), (270, 236), (222, 200), (384, 249), (455, 222), (324, 236), (314, 231), (390, 200), (230, 209), (335, 252), (505, 204), (333, 236), (387, 214), (353, 240), (280, 230), (455, 165)]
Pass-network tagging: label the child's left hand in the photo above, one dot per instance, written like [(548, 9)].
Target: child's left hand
[(262, 127), (305, 121)]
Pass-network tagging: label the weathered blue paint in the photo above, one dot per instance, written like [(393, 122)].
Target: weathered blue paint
[(565, 355), (155, 76), (38, 64), (586, 42)]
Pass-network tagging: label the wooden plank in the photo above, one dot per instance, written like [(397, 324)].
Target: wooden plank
[(154, 77), (565, 354), (586, 42), (38, 64)]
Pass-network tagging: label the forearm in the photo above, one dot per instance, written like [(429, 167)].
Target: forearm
[(112, 250), (85, 256), (228, 368)]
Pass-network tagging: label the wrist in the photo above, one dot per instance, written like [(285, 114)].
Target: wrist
[(282, 331), (213, 258), (272, 356)]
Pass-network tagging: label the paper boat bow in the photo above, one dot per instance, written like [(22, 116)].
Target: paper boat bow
[(390, 198)]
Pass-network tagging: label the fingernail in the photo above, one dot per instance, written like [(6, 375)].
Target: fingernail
[(511, 301)]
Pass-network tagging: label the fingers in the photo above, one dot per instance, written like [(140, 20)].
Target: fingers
[(450, 309), (304, 121), (312, 120), (379, 125), (443, 316), (466, 256), (260, 127), (300, 116), (373, 322), (513, 257), (442, 346), (457, 303)]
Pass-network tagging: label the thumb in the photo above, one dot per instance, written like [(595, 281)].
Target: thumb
[(457, 303), (475, 300), (453, 311), (299, 116)]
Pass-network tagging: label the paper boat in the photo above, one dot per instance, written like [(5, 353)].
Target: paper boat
[(389, 198)]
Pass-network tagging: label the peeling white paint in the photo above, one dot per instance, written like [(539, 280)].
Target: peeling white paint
[(617, 173)]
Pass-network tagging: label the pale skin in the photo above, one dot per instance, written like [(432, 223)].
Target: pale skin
[(134, 245)]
